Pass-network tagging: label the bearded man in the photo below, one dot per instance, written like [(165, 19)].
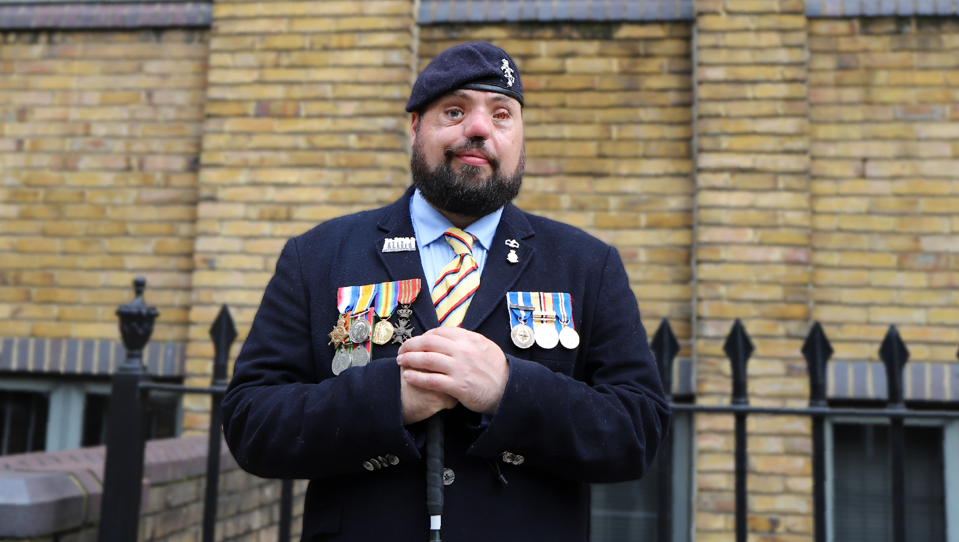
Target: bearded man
[(520, 331)]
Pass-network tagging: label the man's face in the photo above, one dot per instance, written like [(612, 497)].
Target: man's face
[(468, 152)]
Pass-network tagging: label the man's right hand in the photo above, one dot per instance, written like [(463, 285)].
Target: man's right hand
[(418, 403)]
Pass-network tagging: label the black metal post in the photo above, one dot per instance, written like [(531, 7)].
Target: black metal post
[(223, 333), (123, 472), (817, 352), (894, 355), (738, 348), (665, 347), (286, 509)]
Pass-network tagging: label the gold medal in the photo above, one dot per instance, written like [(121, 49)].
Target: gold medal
[(382, 332), (338, 335)]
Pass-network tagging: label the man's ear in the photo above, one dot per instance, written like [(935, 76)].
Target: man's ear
[(414, 125)]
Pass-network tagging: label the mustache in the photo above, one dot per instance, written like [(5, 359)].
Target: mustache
[(474, 144)]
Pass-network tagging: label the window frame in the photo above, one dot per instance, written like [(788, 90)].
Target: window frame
[(67, 400), (950, 451)]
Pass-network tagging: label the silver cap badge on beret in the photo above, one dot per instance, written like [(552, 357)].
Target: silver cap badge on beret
[(509, 73)]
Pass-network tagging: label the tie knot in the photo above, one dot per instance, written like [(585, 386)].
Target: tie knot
[(461, 241)]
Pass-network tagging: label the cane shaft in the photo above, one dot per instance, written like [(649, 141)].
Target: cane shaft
[(434, 473)]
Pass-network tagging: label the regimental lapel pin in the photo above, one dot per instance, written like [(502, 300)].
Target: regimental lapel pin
[(399, 244), (512, 257)]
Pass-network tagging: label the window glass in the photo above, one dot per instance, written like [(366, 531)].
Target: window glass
[(862, 483), (161, 418), (625, 511), (23, 421)]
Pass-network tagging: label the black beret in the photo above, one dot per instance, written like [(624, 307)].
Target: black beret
[(475, 66)]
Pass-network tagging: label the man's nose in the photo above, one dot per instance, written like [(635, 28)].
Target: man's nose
[(478, 125)]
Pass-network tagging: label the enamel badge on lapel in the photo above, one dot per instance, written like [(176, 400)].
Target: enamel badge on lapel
[(399, 244), (512, 257)]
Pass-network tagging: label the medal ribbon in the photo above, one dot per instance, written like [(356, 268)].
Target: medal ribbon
[(547, 306), (386, 299), (560, 308), (566, 311), (363, 303), (407, 291), (518, 316), (346, 298)]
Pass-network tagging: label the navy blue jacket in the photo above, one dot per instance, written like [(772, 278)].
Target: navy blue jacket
[(594, 414)]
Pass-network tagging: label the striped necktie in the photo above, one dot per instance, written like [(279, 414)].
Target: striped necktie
[(458, 281)]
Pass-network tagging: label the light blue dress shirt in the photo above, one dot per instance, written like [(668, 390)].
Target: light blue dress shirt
[(429, 225)]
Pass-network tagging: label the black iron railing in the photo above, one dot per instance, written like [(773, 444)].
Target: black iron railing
[(817, 351), (120, 512), (131, 384)]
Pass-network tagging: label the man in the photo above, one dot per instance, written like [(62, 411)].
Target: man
[(528, 426)]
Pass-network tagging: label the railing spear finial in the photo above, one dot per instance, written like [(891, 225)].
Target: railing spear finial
[(739, 347), (817, 352), (665, 347), (223, 333), (894, 355)]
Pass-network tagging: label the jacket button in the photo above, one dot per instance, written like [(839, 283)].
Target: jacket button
[(448, 476), (367, 465), (392, 459), (507, 457), (518, 459), (375, 463), (382, 461)]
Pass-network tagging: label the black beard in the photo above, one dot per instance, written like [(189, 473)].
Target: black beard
[(465, 193)]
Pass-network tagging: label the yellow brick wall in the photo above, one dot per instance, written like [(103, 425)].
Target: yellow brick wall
[(99, 140), (608, 130), (884, 96), (753, 259), (305, 122)]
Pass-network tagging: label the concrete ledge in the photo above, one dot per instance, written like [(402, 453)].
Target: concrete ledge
[(33, 503), (43, 493)]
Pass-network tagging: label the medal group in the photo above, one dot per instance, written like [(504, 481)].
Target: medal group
[(541, 318), (355, 332)]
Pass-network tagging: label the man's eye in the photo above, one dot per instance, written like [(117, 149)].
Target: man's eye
[(454, 113), (501, 115)]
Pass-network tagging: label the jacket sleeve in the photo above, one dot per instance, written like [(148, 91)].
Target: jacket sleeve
[(280, 421), (606, 428)]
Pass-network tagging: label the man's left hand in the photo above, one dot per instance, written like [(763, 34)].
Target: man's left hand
[(459, 363)]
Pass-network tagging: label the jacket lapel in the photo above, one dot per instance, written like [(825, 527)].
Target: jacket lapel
[(406, 265), (499, 275)]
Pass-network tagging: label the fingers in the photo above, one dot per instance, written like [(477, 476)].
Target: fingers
[(435, 382), (426, 361), (419, 403), (429, 342)]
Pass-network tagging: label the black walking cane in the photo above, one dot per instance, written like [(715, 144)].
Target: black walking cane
[(434, 473)]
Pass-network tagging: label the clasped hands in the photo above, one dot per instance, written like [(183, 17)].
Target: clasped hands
[(450, 365)]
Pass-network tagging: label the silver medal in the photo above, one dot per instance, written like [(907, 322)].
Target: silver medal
[(522, 336), (569, 338), (341, 361), (359, 357), (546, 336), (359, 331)]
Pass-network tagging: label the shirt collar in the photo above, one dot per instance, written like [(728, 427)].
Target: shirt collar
[(430, 225)]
